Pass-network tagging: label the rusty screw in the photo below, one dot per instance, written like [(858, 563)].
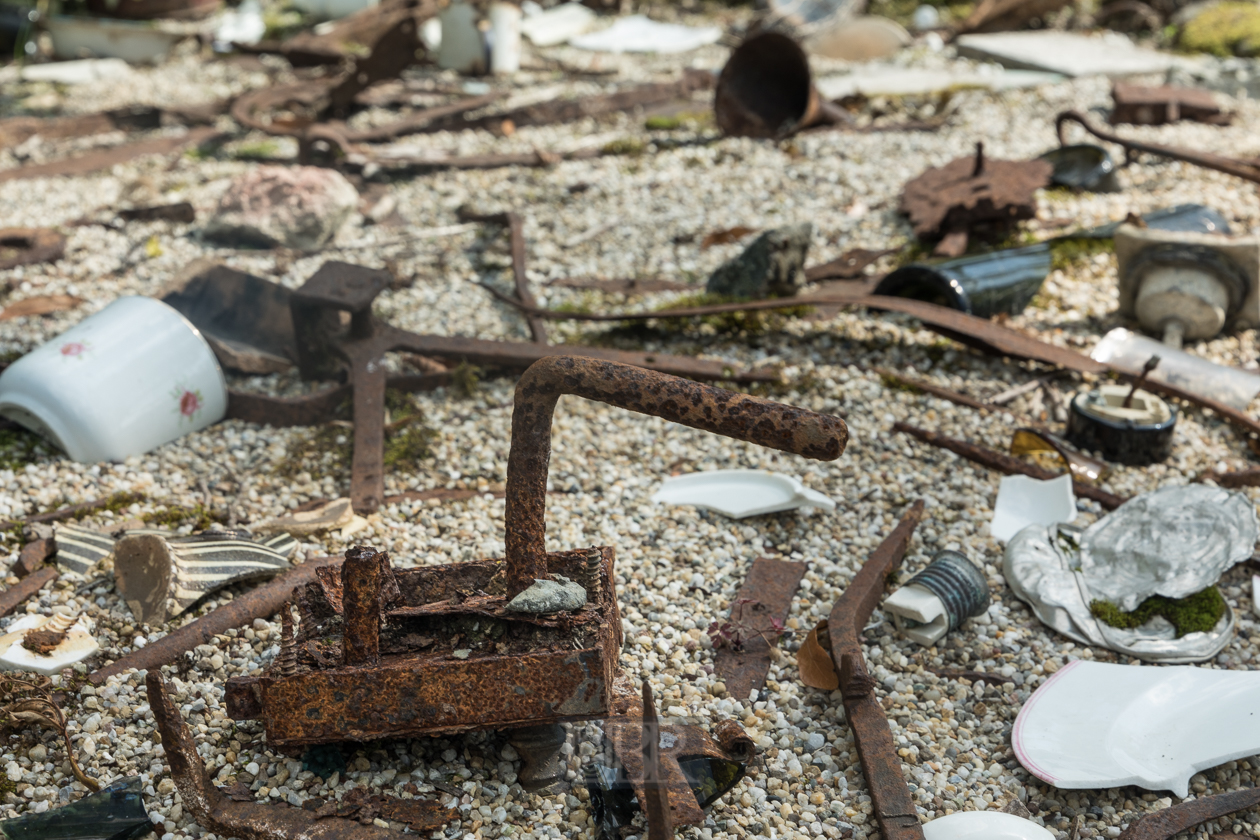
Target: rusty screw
[(1147, 369), (594, 565), (286, 659)]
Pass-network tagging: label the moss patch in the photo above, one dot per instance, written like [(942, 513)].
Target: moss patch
[(1224, 30), (1195, 613), (19, 447)]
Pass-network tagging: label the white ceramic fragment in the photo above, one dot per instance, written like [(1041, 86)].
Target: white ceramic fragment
[(1099, 725), (78, 645), (984, 825), (505, 38), (638, 33), (928, 621), (555, 26), (1024, 501), (859, 39), (740, 493)]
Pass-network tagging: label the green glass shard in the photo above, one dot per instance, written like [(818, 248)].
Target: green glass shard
[(115, 813)]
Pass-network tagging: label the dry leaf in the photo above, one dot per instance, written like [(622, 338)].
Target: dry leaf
[(725, 237), (40, 305), (814, 661)]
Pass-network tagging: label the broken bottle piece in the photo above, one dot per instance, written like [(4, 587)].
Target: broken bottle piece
[(1083, 166), (939, 599), (984, 285), (116, 812)]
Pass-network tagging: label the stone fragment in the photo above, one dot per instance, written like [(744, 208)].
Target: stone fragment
[(774, 264), (298, 207), (548, 596)]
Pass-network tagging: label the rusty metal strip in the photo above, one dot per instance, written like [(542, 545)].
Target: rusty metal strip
[(222, 815), (772, 584), (15, 130), (894, 808), (936, 390), (320, 407), (16, 595), (367, 468), (105, 158), (33, 556), (848, 266), (681, 401), (1165, 824), (656, 803), (261, 602), (421, 120), (28, 246), (516, 231), (1006, 464), (1244, 169), (1234, 480)]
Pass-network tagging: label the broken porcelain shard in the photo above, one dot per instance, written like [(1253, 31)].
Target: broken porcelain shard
[(80, 549), (1083, 166), (1129, 352), (1100, 725), (72, 641), (950, 590), (1138, 434), (1023, 501), (984, 825), (740, 493), (983, 285), (121, 382), (116, 812), (1173, 542)]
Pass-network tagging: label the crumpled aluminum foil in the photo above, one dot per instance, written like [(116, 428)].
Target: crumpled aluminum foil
[(1173, 542)]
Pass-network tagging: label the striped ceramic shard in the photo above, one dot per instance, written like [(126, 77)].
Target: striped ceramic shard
[(160, 574)]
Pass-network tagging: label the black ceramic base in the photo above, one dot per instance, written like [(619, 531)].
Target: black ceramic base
[(1124, 442)]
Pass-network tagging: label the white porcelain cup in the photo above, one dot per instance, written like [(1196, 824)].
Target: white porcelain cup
[(130, 378)]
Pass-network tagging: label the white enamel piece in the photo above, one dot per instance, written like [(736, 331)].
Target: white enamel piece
[(78, 645), (740, 493), (918, 613), (984, 825), (1024, 501), (1098, 725)]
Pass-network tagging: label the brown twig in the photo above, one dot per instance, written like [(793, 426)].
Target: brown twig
[(30, 701)]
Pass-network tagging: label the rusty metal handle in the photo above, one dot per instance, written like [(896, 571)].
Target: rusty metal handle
[(774, 425)]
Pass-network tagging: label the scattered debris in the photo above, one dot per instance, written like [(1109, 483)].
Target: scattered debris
[(30, 700), (772, 266), (418, 814), (95, 161), (939, 599), (557, 24), (1067, 53), (1046, 449), (740, 493), (638, 33), (850, 265), (296, 207), (1083, 727), (858, 39), (1009, 15), (972, 195), (1023, 501), (116, 812), (1179, 374), (330, 516), (984, 285), (1138, 105), (756, 622), (129, 378), (29, 246)]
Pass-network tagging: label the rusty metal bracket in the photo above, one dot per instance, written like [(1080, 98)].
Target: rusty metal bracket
[(1165, 824), (771, 584), (1141, 105), (894, 808)]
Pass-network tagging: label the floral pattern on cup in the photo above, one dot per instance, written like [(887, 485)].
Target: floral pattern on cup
[(188, 402), (75, 349)]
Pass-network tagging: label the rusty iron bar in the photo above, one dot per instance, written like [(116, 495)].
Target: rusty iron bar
[(656, 804), (367, 466), (681, 401), (95, 161), (772, 584), (320, 407), (516, 231), (1230, 166), (222, 815), (262, 602), (1165, 824), (16, 595), (936, 390), (1006, 464), (1234, 480), (894, 808)]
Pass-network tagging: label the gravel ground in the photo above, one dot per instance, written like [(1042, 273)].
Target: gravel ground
[(678, 568)]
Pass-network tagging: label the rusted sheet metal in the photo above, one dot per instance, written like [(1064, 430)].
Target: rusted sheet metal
[(772, 585), (217, 812), (33, 556), (16, 595), (970, 193), (517, 670), (1166, 824), (894, 807), (738, 416), (1141, 105), (27, 246), (15, 130), (516, 231), (363, 579), (1006, 464), (1246, 169), (261, 602), (95, 161), (657, 794)]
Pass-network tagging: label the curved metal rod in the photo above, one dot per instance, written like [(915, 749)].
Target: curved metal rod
[(766, 423), (1230, 166)]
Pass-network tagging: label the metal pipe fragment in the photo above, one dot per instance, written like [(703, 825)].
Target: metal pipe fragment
[(682, 401), (1165, 824), (261, 602)]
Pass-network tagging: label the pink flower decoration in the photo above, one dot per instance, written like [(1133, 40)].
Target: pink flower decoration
[(189, 403), (73, 348)]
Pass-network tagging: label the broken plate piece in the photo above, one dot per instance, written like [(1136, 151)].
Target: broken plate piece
[(984, 825), (1023, 501), (46, 644), (115, 812), (1098, 725), (333, 516), (740, 493)]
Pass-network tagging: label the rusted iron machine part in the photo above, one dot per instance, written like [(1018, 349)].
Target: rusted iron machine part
[(681, 401), (1165, 824), (1230, 166), (95, 161), (894, 808), (627, 732), (28, 246), (982, 334), (516, 231), (1006, 464), (216, 811), (656, 793), (770, 587), (260, 602)]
